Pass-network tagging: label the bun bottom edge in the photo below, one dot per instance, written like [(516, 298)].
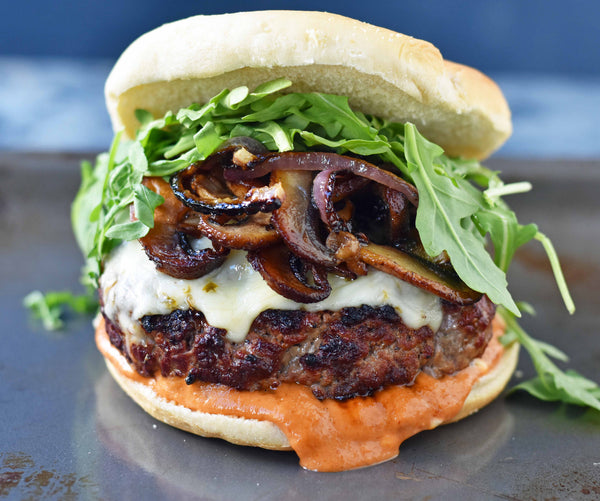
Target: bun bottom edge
[(262, 433)]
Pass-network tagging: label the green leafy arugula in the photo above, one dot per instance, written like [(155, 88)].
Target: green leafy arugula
[(444, 204), (50, 307), (551, 383), (453, 215), (461, 203)]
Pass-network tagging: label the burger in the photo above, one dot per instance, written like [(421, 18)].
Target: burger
[(293, 241)]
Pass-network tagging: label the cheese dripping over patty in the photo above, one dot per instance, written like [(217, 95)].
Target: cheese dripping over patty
[(234, 294)]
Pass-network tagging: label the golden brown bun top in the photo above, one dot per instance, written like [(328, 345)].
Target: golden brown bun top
[(387, 74)]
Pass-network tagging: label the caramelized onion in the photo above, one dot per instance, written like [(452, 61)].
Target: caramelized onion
[(398, 214), (413, 271), (167, 244), (318, 161), (324, 186), (286, 274), (201, 187), (346, 185)]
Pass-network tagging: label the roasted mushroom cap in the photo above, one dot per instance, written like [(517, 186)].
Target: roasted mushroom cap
[(168, 245), (413, 271), (247, 233), (297, 221), (289, 275)]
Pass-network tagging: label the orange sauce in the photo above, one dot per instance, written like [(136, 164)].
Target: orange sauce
[(329, 435)]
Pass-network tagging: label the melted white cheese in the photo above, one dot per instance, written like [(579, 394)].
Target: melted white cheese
[(233, 295)]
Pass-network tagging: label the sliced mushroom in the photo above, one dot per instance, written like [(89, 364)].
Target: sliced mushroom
[(251, 232), (167, 244), (297, 219), (413, 271), (346, 247), (290, 276), (412, 245)]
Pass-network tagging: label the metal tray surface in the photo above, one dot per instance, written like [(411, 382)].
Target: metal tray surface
[(68, 432)]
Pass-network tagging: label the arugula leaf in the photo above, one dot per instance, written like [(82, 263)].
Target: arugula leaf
[(506, 233), (347, 124), (268, 88), (551, 383), (364, 147), (127, 231), (137, 157), (280, 139), (442, 207), (497, 189), (144, 203), (556, 269), (207, 140), (50, 307), (501, 222)]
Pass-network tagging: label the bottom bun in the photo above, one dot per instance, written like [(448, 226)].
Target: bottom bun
[(493, 377), (237, 430)]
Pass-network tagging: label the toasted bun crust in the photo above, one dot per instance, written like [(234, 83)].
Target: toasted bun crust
[(384, 73), (261, 433)]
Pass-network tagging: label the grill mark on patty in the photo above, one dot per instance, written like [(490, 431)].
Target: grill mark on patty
[(338, 354)]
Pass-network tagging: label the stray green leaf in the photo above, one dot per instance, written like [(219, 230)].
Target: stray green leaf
[(207, 140), (127, 231), (50, 307), (556, 269), (144, 203), (551, 383)]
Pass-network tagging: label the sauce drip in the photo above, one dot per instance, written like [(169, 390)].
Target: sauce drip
[(329, 435)]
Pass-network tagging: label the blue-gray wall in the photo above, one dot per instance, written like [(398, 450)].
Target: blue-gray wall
[(544, 54), (493, 35)]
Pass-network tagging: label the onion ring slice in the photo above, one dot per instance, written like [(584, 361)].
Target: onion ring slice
[(202, 188), (318, 161)]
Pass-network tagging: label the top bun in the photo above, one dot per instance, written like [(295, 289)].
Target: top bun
[(387, 74)]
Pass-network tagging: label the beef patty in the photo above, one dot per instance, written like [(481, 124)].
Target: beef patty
[(338, 354)]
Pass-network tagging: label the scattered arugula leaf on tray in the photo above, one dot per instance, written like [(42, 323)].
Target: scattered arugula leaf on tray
[(49, 307), (551, 383)]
